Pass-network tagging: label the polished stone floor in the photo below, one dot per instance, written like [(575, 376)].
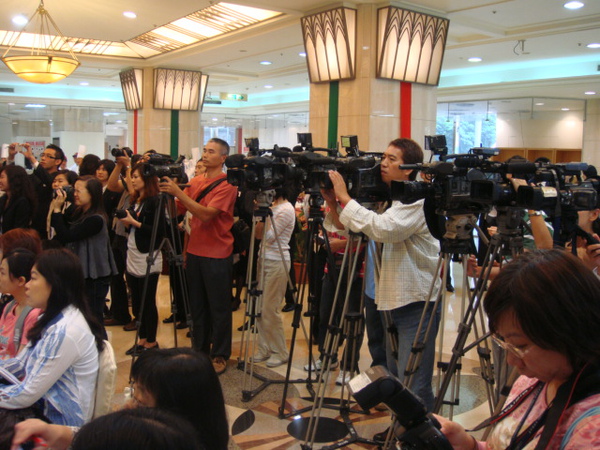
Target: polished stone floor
[(272, 420)]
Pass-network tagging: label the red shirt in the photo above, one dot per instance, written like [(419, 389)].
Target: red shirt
[(212, 239)]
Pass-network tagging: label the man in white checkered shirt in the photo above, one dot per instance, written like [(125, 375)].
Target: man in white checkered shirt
[(408, 261)]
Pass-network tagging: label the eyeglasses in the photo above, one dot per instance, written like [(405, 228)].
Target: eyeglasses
[(47, 155), (519, 353)]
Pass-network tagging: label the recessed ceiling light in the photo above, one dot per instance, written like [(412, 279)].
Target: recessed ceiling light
[(84, 83), (590, 93), (34, 105), (539, 104), (564, 109), (302, 54), (130, 14), (594, 45), (118, 121), (573, 5), (19, 20), (475, 59), (214, 119), (266, 63), (268, 86)]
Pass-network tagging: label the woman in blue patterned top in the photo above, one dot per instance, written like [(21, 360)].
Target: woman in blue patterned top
[(57, 370)]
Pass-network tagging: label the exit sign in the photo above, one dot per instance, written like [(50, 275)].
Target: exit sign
[(234, 97)]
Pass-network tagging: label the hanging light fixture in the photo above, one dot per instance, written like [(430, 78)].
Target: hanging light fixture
[(42, 65)]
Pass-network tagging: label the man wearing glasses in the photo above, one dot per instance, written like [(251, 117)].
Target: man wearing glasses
[(43, 174)]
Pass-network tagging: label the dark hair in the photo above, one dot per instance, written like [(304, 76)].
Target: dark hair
[(183, 381), (222, 143), (411, 153), (94, 187), (555, 299), (20, 261), (542, 160), (108, 165), (71, 176), (59, 151), (150, 183), (514, 158), (590, 172), (136, 429), (135, 159), (26, 238), (19, 184), (63, 272), (89, 165)]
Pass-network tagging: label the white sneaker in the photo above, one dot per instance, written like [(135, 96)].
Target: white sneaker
[(319, 365), (343, 378), (275, 361), (259, 357)]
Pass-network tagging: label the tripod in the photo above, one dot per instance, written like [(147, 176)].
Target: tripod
[(315, 227), (254, 297), (349, 324), (507, 241), (171, 243)]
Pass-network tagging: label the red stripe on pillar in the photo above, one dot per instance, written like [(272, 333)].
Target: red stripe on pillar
[(239, 138), (135, 130), (405, 109)]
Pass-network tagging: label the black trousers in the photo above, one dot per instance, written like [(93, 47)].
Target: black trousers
[(149, 320), (210, 285), (119, 308)]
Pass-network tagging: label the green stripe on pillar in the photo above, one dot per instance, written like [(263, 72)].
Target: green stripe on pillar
[(334, 96), (174, 133)]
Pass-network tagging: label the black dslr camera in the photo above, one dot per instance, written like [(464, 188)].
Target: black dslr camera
[(125, 151), (68, 190), (417, 429)]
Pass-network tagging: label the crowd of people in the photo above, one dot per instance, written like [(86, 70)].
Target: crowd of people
[(68, 239)]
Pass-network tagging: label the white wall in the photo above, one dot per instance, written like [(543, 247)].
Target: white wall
[(543, 130), (70, 141)]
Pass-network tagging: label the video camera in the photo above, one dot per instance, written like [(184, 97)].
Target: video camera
[(361, 174), (161, 165), (124, 151), (553, 190), (264, 171), (420, 430)]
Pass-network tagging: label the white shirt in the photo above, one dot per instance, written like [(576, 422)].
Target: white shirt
[(410, 253), (284, 219)]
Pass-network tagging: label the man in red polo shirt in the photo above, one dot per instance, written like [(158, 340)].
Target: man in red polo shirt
[(209, 253)]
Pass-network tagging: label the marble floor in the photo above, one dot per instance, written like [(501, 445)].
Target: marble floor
[(270, 420)]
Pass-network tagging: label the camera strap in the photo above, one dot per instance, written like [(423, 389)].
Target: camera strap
[(209, 188)]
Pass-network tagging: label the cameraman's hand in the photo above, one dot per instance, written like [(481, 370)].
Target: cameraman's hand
[(27, 152), (339, 187), (124, 161), (129, 220), (169, 186), (13, 150), (456, 434), (56, 436), (329, 196), (58, 201)]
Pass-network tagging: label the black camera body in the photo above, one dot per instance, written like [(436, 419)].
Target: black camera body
[(161, 166), (125, 151), (256, 173), (68, 190), (419, 430)]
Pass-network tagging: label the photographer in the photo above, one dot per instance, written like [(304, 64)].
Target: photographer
[(65, 180), (271, 338), (119, 183), (409, 258), (209, 252), (82, 229), (51, 159), (544, 309), (144, 206)]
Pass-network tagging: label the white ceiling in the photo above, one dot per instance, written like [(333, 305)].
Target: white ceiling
[(553, 63)]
